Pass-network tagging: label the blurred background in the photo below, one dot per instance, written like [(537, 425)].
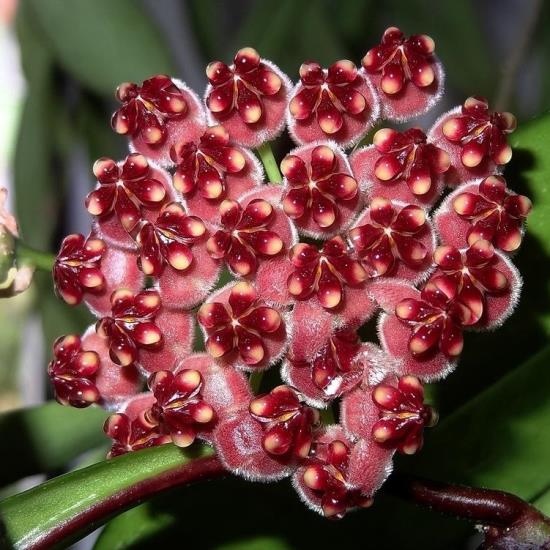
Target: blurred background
[(61, 60)]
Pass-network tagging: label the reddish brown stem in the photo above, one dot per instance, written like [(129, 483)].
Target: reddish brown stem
[(485, 506)]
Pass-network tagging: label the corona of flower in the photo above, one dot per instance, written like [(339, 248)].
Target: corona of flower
[(202, 272)]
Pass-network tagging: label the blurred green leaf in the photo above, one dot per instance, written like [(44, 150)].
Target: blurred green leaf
[(102, 42), (31, 517), (35, 187), (45, 438)]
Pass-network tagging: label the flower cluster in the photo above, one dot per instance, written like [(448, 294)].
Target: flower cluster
[(187, 234)]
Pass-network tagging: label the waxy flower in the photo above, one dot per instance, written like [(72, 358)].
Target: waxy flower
[(392, 235), (124, 188), (249, 97), (487, 210), (403, 415), (324, 482), (72, 371), (335, 103), (475, 138), (406, 73), (241, 324), (168, 240), (77, 267), (131, 325), (436, 319), (132, 434), (473, 271), (402, 166), (288, 423), (179, 408), (156, 114), (323, 273), (318, 185), (245, 235), (202, 166)]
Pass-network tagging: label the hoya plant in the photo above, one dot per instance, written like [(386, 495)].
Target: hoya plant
[(278, 319)]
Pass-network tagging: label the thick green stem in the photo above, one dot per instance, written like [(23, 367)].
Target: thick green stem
[(27, 255), (66, 508), (270, 164)]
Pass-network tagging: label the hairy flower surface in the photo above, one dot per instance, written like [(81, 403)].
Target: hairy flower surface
[(188, 229), (335, 103)]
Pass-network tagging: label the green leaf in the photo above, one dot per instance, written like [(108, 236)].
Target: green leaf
[(35, 516), (102, 43), (45, 438), (32, 164)]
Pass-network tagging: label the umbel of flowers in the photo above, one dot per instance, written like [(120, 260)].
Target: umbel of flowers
[(347, 235)]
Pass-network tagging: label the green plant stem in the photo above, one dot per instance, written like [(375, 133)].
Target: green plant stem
[(66, 508), (27, 255), (270, 164)]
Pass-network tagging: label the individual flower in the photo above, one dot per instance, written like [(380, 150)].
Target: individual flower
[(402, 166), (132, 434), (396, 329), (288, 423), (321, 195), (473, 271), (179, 407), (72, 371), (123, 191), (240, 324), (245, 236), (332, 371), (436, 320), (77, 268), (336, 103), (155, 114), (475, 138), (7, 219), (324, 273), (485, 210), (340, 474), (406, 74), (249, 97), (131, 325), (403, 415), (391, 239), (488, 282), (168, 240)]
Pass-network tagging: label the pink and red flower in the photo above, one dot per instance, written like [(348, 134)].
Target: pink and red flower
[(485, 210), (240, 328), (405, 73), (393, 240), (245, 236), (402, 166), (321, 194), (131, 325), (77, 268), (475, 138), (168, 240), (288, 423), (179, 408), (156, 113), (336, 103), (324, 273), (249, 97)]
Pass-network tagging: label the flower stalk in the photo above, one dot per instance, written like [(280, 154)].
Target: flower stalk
[(271, 167)]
